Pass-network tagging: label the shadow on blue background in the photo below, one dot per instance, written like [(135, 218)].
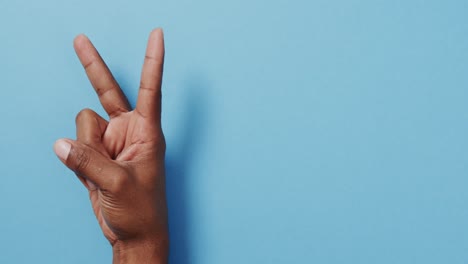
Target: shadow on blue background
[(178, 168)]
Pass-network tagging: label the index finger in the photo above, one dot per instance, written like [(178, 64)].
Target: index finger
[(111, 96), (149, 95)]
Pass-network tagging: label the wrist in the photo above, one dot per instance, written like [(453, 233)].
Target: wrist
[(141, 252)]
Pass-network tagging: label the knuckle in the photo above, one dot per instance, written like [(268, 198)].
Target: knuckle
[(82, 160), (84, 115)]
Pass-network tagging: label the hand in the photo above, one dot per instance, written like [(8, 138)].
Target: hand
[(121, 161)]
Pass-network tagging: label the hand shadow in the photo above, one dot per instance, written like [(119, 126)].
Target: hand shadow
[(178, 171)]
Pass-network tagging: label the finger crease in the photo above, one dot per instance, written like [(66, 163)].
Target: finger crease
[(117, 111), (147, 88), (103, 91), (140, 113), (151, 58), (89, 64)]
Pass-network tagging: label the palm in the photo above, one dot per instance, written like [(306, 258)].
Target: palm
[(129, 137), (120, 135)]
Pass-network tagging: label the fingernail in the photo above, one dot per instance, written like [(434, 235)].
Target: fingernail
[(62, 148)]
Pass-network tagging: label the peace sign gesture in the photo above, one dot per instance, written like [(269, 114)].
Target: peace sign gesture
[(121, 161)]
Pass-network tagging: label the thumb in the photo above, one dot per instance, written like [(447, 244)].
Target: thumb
[(85, 161)]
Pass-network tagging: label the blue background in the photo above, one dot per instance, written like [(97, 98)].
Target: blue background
[(298, 131)]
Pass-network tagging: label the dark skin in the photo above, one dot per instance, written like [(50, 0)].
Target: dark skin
[(121, 161)]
